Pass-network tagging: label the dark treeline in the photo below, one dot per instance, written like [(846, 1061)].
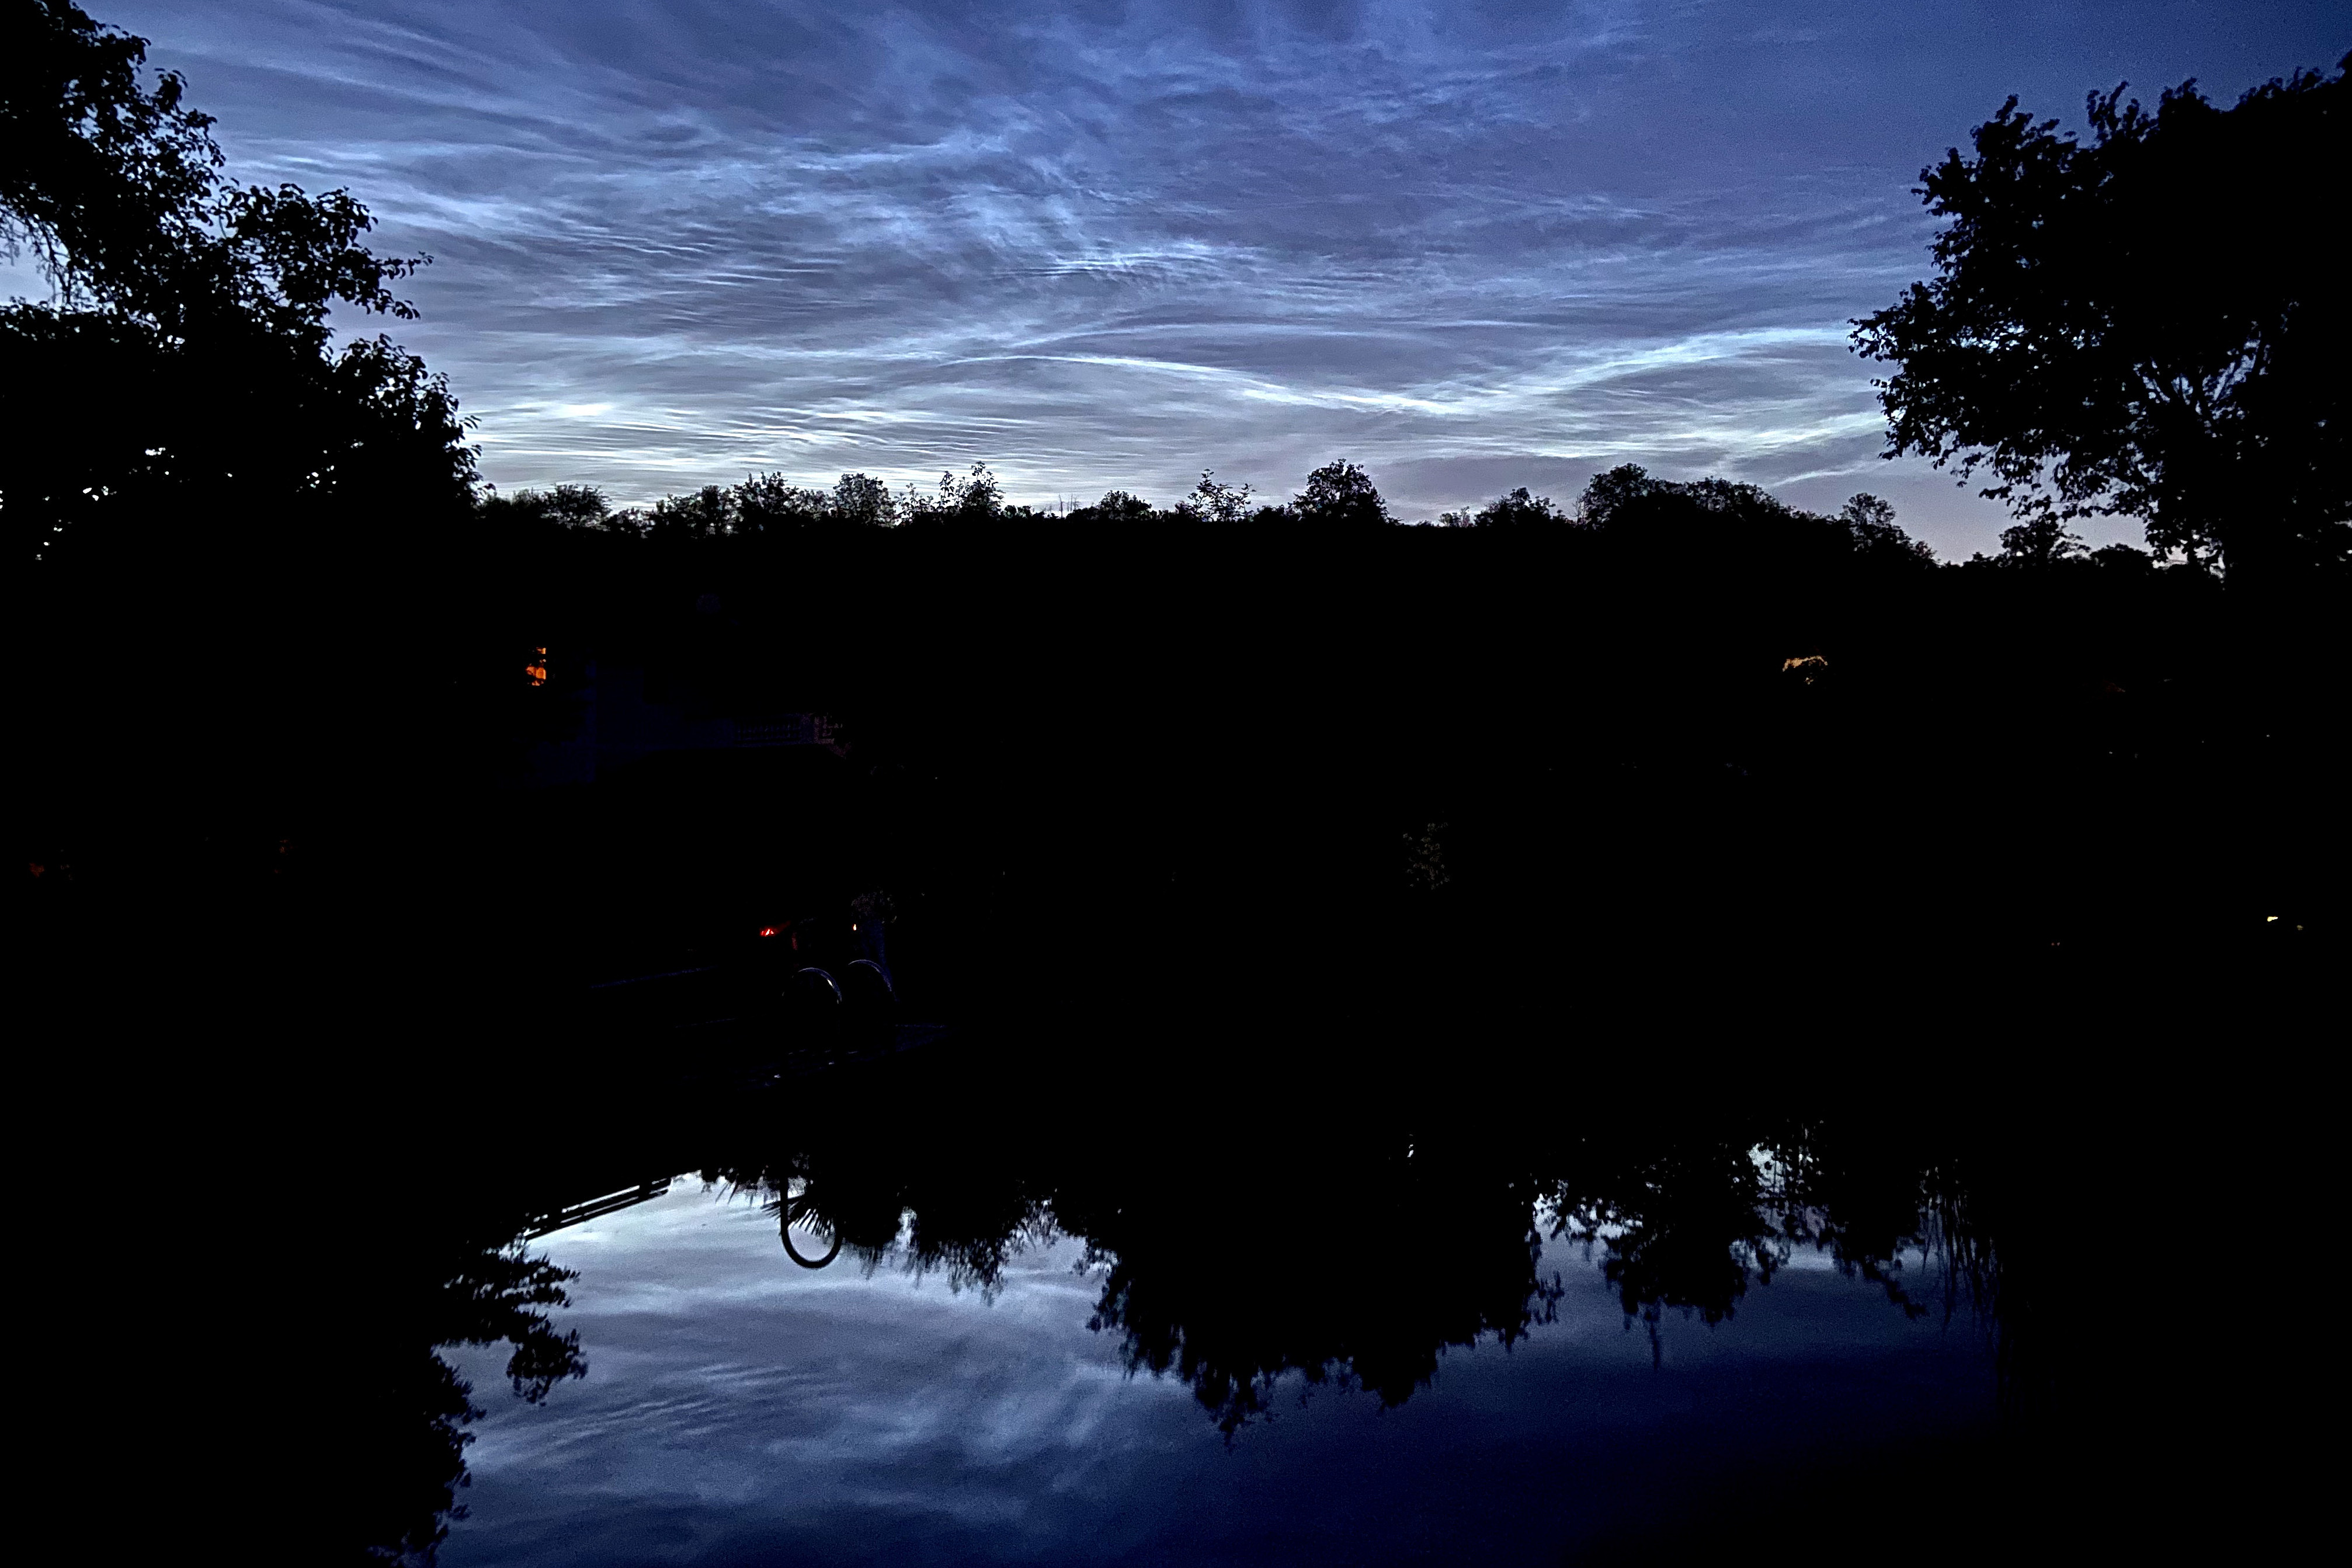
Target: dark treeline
[(301, 666), (1684, 722), (1339, 495), (1283, 821), (1683, 718)]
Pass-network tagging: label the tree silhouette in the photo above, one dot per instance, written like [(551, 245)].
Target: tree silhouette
[(973, 497), (766, 504), (1720, 523), (1518, 510), (1681, 1220), (2039, 541), (1214, 501), (864, 499), (1340, 494), (1116, 506), (566, 506), (402, 1423), (706, 513), (2151, 324), (193, 311), (1870, 521)]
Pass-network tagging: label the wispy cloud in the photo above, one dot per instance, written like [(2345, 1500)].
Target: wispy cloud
[(1108, 243)]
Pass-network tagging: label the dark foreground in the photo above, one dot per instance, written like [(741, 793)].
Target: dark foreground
[(1587, 1293), (1666, 1062)]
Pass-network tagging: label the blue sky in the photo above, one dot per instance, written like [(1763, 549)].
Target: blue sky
[(1470, 246)]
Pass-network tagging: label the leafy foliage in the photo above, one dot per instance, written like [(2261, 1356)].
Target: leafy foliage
[(406, 1449), (973, 497), (1341, 495), (1693, 521), (1870, 522), (2040, 541), (1116, 506), (1729, 522), (2151, 323), (185, 361), (1214, 501), (1518, 510), (567, 505)]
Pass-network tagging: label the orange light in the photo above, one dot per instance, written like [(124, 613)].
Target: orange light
[(767, 931), (536, 671)]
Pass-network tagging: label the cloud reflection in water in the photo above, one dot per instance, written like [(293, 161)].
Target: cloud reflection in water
[(737, 1406)]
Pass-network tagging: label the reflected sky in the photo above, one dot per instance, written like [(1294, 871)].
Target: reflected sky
[(739, 1408), (1471, 245)]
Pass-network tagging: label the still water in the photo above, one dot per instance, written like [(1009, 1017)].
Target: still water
[(739, 1407), (1361, 1346)]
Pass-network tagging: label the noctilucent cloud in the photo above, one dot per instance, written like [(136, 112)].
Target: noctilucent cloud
[(1469, 244)]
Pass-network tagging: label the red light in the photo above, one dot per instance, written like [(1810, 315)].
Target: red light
[(767, 931)]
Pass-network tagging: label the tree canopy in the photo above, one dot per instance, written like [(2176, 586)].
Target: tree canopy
[(185, 363), (1341, 493), (1734, 526), (2150, 323)]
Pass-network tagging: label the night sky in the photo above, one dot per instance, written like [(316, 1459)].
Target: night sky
[(1468, 246)]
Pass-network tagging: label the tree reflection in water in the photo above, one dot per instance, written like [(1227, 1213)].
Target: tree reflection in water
[(1353, 1257), (406, 1437)]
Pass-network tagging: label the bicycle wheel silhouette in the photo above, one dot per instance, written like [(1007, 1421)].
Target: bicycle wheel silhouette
[(797, 1209)]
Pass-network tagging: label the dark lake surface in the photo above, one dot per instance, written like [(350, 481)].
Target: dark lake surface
[(739, 1407), (975, 1302), (1272, 1292), (1250, 1183), (1621, 1046)]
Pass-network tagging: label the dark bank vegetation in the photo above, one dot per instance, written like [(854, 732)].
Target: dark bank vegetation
[(275, 636), (1274, 817), (280, 647)]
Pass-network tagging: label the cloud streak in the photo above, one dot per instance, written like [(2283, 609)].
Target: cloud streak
[(1110, 244)]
